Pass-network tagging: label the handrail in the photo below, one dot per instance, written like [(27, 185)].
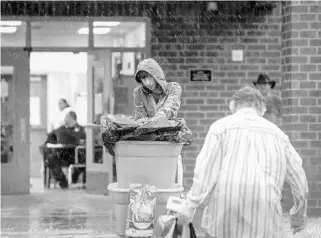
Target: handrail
[(76, 152), (92, 126)]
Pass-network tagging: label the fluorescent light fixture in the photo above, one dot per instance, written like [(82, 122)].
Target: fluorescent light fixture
[(9, 29), (106, 23), (97, 31), (84, 30), (212, 6), (10, 23)]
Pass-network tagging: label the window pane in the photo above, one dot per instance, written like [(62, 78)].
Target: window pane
[(119, 34), (59, 34), (35, 116), (98, 155), (13, 34), (7, 118), (124, 65), (98, 77)]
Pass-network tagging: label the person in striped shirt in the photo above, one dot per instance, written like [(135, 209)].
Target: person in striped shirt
[(240, 172)]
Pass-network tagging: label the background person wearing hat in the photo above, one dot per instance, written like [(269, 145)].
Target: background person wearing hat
[(273, 102)]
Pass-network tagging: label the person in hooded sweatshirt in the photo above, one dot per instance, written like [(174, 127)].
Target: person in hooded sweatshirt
[(154, 97)]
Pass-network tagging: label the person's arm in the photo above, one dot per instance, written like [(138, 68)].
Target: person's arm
[(82, 133), (172, 103), (296, 178), (52, 127), (51, 138), (207, 168), (139, 108), (278, 104)]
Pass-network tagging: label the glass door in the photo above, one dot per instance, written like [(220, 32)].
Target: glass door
[(100, 101), (124, 66), (110, 86), (15, 122), (38, 122)]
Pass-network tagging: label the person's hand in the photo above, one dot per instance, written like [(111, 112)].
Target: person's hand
[(183, 219), (160, 115), (298, 224), (186, 216), (158, 119)]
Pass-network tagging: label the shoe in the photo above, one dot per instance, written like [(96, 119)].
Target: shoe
[(63, 185)]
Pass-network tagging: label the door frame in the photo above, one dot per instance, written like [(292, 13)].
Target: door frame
[(89, 48), (97, 58), (42, 128), (21, 126), (43, 78)]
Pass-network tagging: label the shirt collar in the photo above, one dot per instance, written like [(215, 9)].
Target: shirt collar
[(248, 111)]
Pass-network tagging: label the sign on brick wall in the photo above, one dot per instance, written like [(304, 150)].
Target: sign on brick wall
[(201, 75)]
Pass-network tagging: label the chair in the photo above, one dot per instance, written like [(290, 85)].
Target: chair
[(72, 167), (48, 175), (80, 161), (82, 164), (47, 151)]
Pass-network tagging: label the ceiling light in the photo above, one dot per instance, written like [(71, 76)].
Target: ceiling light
[(97, 31), (10, 23), (83, 30), (103, 30), (106, 23), (8, 29), (212, 6)]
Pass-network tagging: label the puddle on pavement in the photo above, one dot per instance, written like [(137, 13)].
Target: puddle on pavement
[(58, 214), (61, 219), (67, 221)]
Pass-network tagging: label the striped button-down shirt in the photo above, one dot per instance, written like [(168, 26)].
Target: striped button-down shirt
[(239, 175)]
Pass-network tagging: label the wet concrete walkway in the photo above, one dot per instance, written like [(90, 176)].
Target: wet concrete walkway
[(57, 213), (75, 213)]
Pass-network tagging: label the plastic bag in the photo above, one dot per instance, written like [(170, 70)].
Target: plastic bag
[(192, 231), (167, 227), (140, 219), (120, 127)]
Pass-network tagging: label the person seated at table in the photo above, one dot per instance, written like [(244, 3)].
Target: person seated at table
[(59, 120), (68, 137)]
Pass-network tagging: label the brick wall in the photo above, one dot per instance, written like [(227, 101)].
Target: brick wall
[(185, 36), (182, 43), (301, 90)]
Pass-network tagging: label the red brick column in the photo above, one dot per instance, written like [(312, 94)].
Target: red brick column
[(301, 90)]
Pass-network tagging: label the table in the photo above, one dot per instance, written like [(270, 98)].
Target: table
[(47, 150)]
